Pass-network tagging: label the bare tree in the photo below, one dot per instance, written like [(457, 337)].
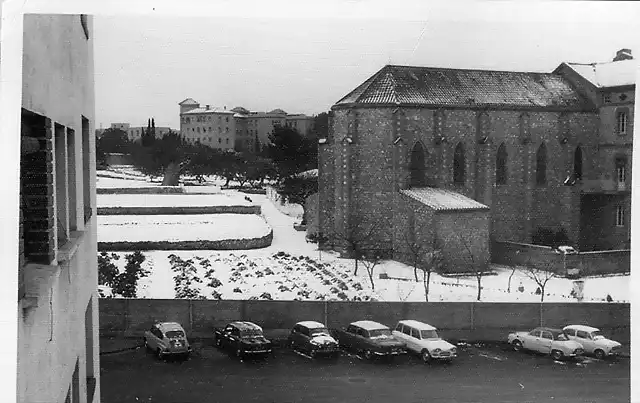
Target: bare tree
[(431, 261), (357, 238), (470, 260), (416, 251), (514, 267), (540, 273), (370, 259)]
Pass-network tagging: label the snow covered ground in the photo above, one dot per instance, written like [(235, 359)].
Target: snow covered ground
[(211, 227), (172, 200), (291, 268)]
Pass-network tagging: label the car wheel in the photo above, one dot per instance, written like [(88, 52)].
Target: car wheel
[(599, 354), (368, 355), (426, 357), (517, 345), (556, 354)]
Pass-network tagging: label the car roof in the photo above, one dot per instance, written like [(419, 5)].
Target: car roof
[(168, 326), (244, 325), (311, 324), (583, 328), (549, 329), (369, 325), (417, 324)]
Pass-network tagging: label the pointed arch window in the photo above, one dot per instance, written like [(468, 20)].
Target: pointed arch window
[(459, 165), (501, 165), (417, 167), (541, 165), (577, 163)]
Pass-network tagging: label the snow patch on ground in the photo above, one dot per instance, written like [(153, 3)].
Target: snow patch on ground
[(209, 227)]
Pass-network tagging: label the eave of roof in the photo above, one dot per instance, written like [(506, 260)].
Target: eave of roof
[(443, 200)]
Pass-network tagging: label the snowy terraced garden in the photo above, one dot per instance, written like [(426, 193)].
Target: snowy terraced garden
[(209, 227), (292, 269), (171, 200)]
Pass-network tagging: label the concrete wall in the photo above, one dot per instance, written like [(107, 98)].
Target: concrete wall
[(456, 320), (588, 263), (58, 308), (118, 159), (180, 210)]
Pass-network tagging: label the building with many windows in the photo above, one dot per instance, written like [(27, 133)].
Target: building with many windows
[(454, 158), (135, 133), (58, 352), (238, 128)]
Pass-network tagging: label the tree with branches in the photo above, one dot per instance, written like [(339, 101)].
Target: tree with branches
[(540, 273), (470, 258), (370, 259), (357, 237)]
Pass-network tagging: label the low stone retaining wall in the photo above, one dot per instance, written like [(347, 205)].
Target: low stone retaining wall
[(222, 244), (142, 190), (179, 210)]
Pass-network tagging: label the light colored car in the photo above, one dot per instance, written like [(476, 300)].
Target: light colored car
[(545, 340), (167, 339), (593, 341), (423, 339)]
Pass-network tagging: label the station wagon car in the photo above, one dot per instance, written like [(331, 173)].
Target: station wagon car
[(593, 341), (243, 338), (371, 339), (423, 339), (553, 342), (313, 338), (167, 339)]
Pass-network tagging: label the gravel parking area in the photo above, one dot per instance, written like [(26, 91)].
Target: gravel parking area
[(480, 374)]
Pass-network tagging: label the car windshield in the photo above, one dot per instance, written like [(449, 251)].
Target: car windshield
[(560, 337), (429, 334), (597, 335), (320, 331), (379, 333), (173, 334), (251, 333)]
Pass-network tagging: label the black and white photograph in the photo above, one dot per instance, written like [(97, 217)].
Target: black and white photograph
[(341, 201)]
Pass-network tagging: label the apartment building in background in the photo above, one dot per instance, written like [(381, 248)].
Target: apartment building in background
[(58, 345), (236, 129), (134, 133)]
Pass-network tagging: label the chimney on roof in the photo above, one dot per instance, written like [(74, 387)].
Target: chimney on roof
[(623, 54), (208, 107), (225, 107)]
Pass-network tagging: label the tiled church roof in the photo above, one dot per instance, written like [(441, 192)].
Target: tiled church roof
[(442, 199), (442, 87)]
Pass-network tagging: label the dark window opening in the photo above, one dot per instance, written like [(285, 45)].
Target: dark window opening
[(577, 163), (541, 165), (501, 165), (417, 168), (459, 165)]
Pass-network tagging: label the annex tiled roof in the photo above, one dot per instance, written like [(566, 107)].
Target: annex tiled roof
[(442, 199), (610, 74), (443, 87)]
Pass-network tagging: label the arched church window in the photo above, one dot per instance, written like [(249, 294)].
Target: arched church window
[(501, 165), (417, 167), (541, 165), (577, 163)]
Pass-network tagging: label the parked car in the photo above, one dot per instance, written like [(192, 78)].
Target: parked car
[(244, 338), (545, 340), (566, 250), (593, 341), (371, 339), (313, 338), (167, 339), (423, 339)]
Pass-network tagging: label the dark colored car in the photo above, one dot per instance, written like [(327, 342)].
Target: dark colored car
[(243, 338), (313, 339), (371, 339)]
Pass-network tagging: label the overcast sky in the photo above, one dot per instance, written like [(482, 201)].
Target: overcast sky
[(304, 61)]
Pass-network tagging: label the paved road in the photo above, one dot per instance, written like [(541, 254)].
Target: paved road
[(481, 374)]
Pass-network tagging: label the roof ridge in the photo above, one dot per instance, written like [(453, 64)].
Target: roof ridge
[(464, 69)]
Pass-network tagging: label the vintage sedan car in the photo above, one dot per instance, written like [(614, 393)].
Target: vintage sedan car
[(314, 339), (593, 341), (423, 339), (566, 250), (371, 339), (167, 339), (243, 338), (553, 342)]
